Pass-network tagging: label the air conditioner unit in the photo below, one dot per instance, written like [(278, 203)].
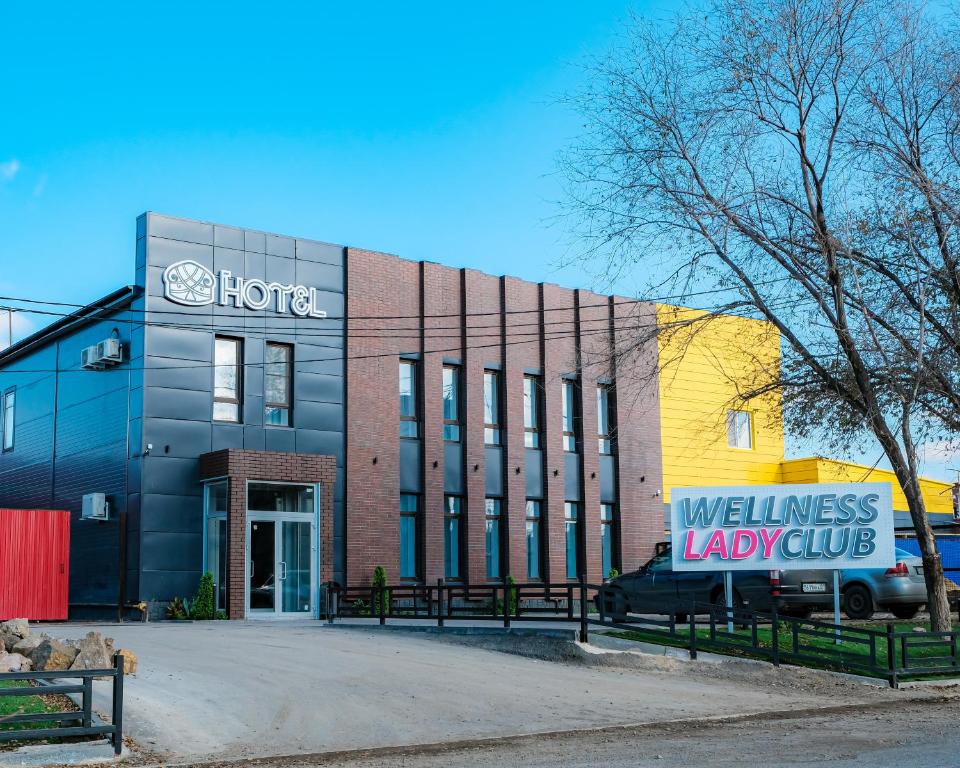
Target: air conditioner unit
[(110, 351), (95, 507), (88, 358)]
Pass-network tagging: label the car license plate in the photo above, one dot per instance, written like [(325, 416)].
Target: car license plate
[(813, 586)]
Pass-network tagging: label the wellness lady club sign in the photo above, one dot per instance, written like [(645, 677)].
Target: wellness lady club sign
[(786, 527)]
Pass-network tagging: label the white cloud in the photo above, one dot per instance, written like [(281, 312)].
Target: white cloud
[(9, 169), (22, 326)]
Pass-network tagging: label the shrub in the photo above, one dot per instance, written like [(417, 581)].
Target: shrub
[(380, 580), (613, 574), (513, 595), (204, 608), (177, 609)]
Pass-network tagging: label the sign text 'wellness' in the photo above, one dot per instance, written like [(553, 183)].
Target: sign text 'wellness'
[(827, 525)]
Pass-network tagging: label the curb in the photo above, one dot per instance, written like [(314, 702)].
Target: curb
[(463, 631), (441, 747)]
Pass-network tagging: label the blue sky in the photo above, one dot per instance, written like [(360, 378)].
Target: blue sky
[(429, 130)]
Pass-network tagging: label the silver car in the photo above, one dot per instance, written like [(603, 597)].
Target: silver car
[(900, 590)]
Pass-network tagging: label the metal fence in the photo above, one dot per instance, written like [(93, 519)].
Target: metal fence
[(888, 653), (70, 723)]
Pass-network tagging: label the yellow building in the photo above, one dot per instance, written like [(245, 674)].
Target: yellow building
[(721, 420)]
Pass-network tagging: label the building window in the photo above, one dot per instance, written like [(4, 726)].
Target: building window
[(451, 403), (739, 429), (9, 418), (491, 407), (605, 418), (571, 522), (278, 383), (609, 539), (531, 412), (451, 536), (568, 406), (409, 536), (492, 514), (533, 539), (409, 416), (227, 378)]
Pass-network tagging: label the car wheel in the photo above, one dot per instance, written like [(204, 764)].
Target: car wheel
[(858, 604), (719, 599), (904, 611)]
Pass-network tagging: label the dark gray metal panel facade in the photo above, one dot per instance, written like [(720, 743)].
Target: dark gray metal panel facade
[(571, 477), (71, 438), (410, 463), (608, 479), (178, 384), (453, 468), (493, 464), (534, 473)]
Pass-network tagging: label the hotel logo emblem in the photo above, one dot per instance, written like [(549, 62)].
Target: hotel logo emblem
[(189, 283)]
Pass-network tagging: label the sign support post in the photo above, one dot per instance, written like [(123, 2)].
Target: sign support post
[(728, 598), (836, 604)]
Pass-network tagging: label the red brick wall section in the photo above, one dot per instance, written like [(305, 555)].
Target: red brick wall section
[(638, 433), (383, 307), (239, 466)]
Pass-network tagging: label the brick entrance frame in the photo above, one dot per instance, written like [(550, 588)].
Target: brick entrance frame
[(239, 466)]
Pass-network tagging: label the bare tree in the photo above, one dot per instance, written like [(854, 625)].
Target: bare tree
[(798, 158)]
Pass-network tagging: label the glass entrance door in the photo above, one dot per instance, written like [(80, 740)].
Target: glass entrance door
[(295, 566), (263, 565)]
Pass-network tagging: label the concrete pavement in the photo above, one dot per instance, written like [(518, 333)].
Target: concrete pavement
[(237, 689)]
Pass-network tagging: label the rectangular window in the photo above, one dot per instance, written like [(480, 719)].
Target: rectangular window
[(491, 407), (533, 539), (278, 384), (409, 536), (571, 522), (9, 419), (451, 403), (605, 418), (531, 412), (609, 539), (409, 415), (227, 378), (568, 406), (451, 537), (492, 514), (739, 429)]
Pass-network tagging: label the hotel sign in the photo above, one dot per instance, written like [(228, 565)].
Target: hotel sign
[(786, 527), (193, 285)]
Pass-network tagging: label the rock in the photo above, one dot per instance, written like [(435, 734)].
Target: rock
[(18, 627), (7, 641), (52, 654), (93, 653), (129, 661), (27, 645), (14, 662)]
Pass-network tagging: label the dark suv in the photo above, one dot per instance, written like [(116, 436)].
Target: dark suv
[(657, 588)]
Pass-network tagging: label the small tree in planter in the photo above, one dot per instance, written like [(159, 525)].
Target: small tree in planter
[(380, 580), (203, 607)]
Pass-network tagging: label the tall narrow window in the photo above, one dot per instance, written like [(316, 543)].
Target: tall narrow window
[(531, 412), (739, 429), (9, 419), (227, 378), (451, 403), (568, 405), (278, 384), (605, 418), (409, 536), (491, 407), (451, 537), (409, 417), (609, 539), (492, 513), (533, 539), (571, 521)]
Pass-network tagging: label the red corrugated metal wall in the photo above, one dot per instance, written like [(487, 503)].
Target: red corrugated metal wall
[(34, 563)]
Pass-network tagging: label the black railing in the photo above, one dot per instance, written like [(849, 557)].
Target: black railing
[(887, 653), (82, 720)]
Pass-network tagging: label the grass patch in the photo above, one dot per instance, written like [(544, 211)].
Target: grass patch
[(816, 647), (28, 704)]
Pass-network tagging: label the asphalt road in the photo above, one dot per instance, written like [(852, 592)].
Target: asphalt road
[(894, 735)]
